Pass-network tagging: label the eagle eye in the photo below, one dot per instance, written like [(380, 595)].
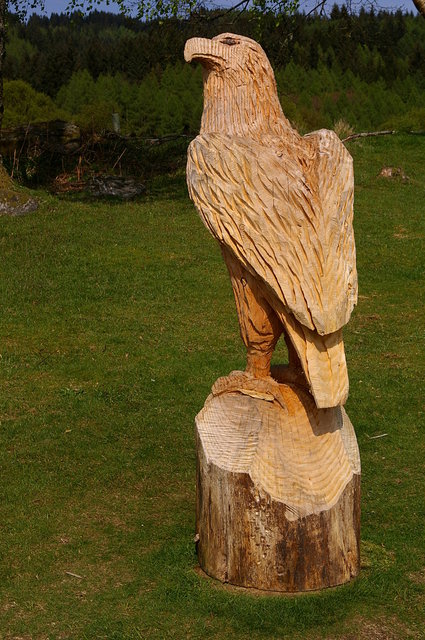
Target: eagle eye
[(229, 41)]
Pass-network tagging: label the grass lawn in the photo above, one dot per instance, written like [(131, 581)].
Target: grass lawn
[(116, 320)]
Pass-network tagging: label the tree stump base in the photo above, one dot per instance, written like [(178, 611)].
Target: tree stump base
[(278, 488)]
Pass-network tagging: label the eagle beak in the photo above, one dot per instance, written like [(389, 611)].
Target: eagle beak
[(210, 53)]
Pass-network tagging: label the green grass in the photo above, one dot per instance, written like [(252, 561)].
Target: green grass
[(116, 320)]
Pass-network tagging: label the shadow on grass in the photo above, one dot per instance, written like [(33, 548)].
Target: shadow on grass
[(261, 614), (165, 187)]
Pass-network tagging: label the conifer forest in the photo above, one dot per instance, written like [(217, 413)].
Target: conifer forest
[(349, 72)]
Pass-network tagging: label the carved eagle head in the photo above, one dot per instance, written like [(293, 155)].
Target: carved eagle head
[(240, 95)]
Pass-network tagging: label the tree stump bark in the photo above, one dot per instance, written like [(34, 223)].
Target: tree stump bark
[(278, 489)]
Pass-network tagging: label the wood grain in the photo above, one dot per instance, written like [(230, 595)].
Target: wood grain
[(301, 456), (281, 207), (278, 480), (278, 491)]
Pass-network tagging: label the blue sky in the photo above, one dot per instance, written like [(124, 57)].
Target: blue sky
[(59, 6)]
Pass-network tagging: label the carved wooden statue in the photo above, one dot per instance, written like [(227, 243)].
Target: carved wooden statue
[(279, 470)]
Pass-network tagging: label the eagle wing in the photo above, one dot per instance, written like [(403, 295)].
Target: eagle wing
[(292, 230)]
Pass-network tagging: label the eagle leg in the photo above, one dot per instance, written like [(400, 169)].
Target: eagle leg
[(259, 325), (261, 328)]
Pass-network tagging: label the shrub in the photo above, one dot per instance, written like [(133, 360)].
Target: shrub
[(24, 105), (96, 116), (342, 128), (413, 120)]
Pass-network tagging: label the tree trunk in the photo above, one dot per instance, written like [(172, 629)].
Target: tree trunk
[(278, 491), (3, 9)]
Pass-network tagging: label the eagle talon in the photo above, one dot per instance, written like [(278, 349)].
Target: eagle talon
[(246, 384)]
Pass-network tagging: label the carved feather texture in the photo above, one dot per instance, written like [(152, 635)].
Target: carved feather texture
[(293, 231), (281, 206)]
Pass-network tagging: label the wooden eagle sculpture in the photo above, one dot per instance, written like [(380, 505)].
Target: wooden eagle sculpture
[(281, 207)]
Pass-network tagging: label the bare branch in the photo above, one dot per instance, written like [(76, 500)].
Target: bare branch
[(242, 3), (320, 5), (368, 134)]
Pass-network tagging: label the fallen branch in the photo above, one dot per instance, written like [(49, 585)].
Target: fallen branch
[(74, 575), (368, 134), (168, 138)]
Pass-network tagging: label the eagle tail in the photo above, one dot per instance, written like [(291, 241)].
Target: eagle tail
[(323, 361)]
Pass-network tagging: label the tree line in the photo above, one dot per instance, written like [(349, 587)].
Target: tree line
[(354, 71)]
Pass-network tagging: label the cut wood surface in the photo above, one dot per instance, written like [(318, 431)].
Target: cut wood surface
[(301, 456), (278, 489)]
